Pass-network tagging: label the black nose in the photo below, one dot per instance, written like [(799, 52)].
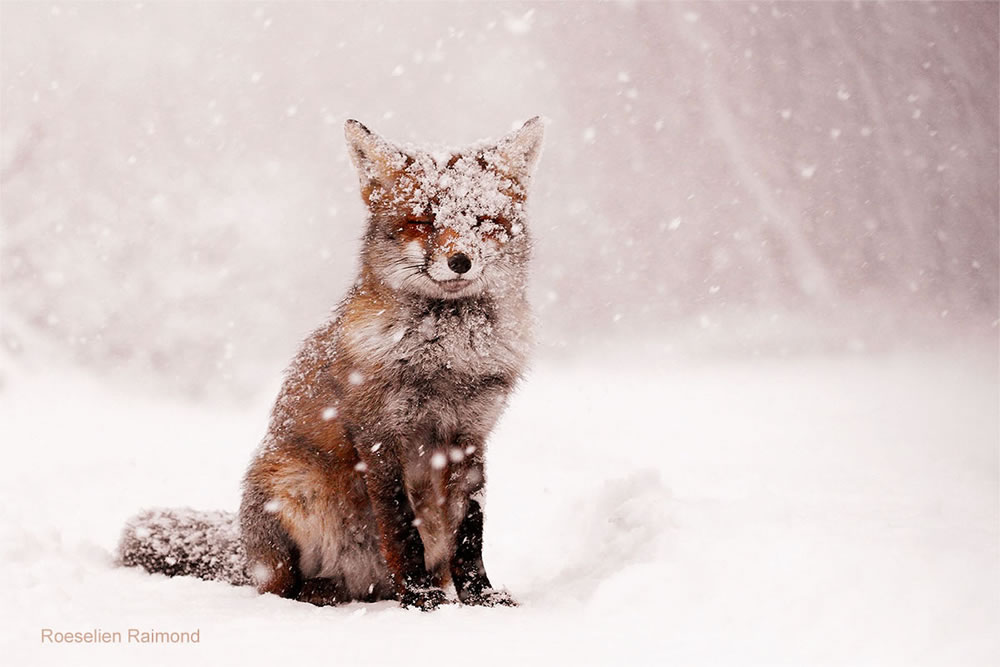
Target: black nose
[(459, 263)]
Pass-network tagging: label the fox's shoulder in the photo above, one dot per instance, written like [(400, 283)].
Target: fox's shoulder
[(356, 335), (307, 393)]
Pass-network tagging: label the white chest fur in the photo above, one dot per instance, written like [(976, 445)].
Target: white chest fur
[(466, 339)]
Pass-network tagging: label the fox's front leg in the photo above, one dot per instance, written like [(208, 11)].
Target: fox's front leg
[(467, 569), (401, 545)]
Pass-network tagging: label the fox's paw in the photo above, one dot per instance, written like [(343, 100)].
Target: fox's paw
[(424, 599), (490, 598), (321, 592)]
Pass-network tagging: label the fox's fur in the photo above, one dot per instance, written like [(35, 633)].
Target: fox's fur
[(368, 483)]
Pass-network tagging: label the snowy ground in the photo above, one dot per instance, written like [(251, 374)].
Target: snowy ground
[(800, 511)]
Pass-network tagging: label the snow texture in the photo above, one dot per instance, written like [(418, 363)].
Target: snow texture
[(482, 183), (185, 542), (834, 510)]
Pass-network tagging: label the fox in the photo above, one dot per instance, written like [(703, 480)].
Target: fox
[(369, 483)]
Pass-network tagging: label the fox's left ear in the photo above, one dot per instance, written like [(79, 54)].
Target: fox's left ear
[(521, 149), (378, 162)]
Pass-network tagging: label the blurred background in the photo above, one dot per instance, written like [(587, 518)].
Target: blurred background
[(742, 179)]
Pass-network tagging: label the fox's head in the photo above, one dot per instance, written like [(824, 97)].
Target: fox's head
[(446, 225)]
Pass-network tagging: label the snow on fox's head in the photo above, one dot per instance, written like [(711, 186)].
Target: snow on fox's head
[(446, 224)]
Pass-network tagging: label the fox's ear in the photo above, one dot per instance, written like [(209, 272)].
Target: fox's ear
[(521, 148), (378, 162)]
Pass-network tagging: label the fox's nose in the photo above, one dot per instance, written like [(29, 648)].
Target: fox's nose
[(459, 263)]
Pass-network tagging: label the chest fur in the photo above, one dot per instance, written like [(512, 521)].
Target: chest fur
[(461, 340), (434, 372)]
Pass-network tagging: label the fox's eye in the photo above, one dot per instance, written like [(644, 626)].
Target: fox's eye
[(420, 222)]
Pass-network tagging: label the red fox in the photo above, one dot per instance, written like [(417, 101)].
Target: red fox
[(368, 483)]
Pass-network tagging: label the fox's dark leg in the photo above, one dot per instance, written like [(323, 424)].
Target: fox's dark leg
[(467, 569), (322, 592), (400, 542)]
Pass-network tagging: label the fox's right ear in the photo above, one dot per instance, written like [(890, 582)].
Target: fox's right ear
[(378, 162), (520, 149)]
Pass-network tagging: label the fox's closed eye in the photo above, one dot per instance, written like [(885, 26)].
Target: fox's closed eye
[(420, 222)]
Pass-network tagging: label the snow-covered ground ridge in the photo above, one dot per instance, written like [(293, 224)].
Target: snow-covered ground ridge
[(810, 510)]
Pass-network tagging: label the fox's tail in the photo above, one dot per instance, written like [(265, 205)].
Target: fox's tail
[(185, 542)]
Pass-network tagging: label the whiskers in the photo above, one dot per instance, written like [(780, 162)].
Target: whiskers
[(403, 272), (499, 275)]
